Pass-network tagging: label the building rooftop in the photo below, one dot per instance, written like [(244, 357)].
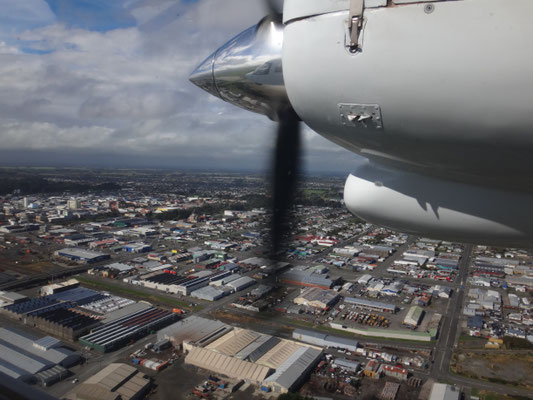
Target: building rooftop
[(441, 391), (22, 356), (192, 329), (116, 381)]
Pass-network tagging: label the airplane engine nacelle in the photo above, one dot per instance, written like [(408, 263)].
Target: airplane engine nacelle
[(422, 205), (443, 86)]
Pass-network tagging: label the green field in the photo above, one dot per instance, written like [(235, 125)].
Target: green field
[(309, 192)]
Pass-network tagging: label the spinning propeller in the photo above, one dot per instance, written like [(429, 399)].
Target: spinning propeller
[(247, 72)]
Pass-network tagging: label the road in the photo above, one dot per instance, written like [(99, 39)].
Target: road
[(448, 332)]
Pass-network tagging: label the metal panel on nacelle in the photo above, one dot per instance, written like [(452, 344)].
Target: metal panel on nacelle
[(454, 85), (306, 8), (418, 1)]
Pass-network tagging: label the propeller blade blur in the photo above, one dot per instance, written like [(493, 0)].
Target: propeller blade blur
[(286, 165)]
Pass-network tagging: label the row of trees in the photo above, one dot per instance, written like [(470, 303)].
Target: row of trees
[(34, 185)]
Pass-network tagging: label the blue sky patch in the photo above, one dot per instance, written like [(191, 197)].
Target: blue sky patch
[(95, 15), (40, 52)]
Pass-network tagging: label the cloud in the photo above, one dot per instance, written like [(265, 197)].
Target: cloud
[(122, 95), (21, 15), (7, 49)]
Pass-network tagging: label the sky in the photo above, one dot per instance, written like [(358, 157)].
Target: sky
[(105, 83)]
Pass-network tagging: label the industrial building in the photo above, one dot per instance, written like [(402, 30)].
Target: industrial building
[(261, 291), (81, 255), (57, 314), (116, 269), (370, 305), (352, 366), (263, 263), (7, 298), (194, 331), (116, 381), (137, 248), (441, 391), (226, 365), (107, 305), (365, 279), (414, 317), (265, 360), (43, 360), (58, 287), (395, 372), (132, 326), (241, 283), (169, 282), (209, 293), (224, 280), (324, 340), (372, 369), (62, 322), (318, 298), (294, 371), (307, 278)]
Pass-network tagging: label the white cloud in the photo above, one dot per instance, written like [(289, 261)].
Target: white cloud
[(6, 49), (26, 11), (126, 91)]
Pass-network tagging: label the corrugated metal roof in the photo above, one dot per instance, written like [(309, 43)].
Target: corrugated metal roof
[(125, 311), (78, 252), (208, 293), (294, 367), (234, 341), (321, 339), (343, 362), (112, 333), (243, 282), (79, 295), (93, 392), (193, 329), (228, 366), (25, 362), (303, 332), (25, 346), (307, 277), (317, 295), (114, 380), (12, 370), (261, 345), (120, 267), (442, 391), (11, 296), (230, 278), (112, 375), (414, 315), (336, 341), (279, 354), (46, 343), (51, 374), (370, 303)]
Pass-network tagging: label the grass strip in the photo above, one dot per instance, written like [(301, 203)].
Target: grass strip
[(136, 293)]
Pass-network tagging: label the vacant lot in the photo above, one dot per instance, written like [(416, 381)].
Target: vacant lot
[(506, 368), (488, 395)]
